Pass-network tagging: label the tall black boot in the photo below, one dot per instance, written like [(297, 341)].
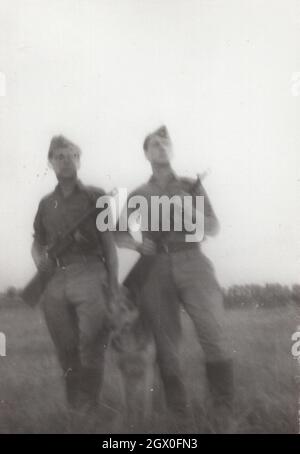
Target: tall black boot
[(176, 400), (221, 382), (72, 386), (221, 385), (91, 383), (175, 394)]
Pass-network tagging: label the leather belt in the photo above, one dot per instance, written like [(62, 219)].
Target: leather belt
[(177, 246), (71, 259)]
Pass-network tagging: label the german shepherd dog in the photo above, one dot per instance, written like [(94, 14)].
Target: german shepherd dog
[(133, 351)]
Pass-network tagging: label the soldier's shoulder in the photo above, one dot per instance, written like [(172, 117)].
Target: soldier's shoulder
[(46, 201), (47, 198), (187, 181), (94, 192), (140, 190)]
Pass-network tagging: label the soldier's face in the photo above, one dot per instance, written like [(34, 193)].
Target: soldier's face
[(65, 162), (159, 150)]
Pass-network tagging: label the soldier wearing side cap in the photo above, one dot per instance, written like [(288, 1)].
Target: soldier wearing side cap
[(173, 271), (84, 277)]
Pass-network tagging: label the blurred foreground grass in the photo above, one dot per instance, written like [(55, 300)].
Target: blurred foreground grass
[(31, 392)]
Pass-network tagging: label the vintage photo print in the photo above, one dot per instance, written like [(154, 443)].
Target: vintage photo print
[(150, 217)]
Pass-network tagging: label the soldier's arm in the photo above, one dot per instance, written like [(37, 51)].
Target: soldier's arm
[(211, 223), (107, 242), (111, 258), (37, 252), (38, 248)]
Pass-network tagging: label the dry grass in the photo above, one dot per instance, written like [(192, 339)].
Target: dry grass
[(31, 393)]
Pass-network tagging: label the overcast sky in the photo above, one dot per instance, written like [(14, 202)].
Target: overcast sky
[(218, 73)]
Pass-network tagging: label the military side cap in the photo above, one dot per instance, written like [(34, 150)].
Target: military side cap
[(160, 132), (61, 141)]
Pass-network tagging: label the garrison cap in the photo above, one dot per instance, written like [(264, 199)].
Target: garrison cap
[(160, 132), (61, 142)]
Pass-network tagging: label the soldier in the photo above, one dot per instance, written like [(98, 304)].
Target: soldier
[(84, 280), (176, 271)]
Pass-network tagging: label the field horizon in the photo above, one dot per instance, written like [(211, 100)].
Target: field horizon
[(32, 398)]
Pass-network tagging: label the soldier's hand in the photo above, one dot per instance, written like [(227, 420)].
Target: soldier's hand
[(147, 247)]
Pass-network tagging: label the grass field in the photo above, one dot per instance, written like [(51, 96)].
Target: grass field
[(31, 392)]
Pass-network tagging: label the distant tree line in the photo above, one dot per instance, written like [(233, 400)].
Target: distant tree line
[(261, 296), (235, 297)]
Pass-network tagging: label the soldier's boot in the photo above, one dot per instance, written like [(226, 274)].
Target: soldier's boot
[(72, 387), (220, 378), (91, 383), (177, 405)]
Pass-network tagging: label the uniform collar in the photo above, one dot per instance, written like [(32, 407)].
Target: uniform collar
[(171, 177), (78, 187)]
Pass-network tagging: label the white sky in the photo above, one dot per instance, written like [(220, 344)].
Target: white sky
[(104, 73)]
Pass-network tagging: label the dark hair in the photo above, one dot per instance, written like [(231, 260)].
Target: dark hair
[(61, 142)]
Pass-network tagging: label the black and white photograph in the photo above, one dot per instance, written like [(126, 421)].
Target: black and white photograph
[(150, 218)]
